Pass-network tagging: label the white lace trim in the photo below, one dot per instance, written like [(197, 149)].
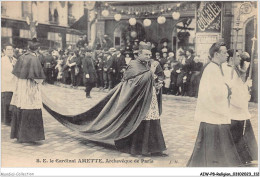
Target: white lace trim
[(27, 94), (153, 113)]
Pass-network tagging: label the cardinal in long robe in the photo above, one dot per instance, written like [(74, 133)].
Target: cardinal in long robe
[(127, 118)]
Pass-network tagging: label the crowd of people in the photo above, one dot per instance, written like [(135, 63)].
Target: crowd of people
[(104, 68)]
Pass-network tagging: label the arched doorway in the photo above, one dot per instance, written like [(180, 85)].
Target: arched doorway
[(125, 34)]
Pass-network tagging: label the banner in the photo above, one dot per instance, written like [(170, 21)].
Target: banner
[(203, 42), (209, 17)]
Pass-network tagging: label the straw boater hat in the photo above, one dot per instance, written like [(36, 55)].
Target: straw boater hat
[(112, 50), (135, 51)]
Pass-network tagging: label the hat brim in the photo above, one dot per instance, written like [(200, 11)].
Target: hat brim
[(164, 40)]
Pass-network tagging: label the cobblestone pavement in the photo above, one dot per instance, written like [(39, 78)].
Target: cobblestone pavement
[(69, 148)]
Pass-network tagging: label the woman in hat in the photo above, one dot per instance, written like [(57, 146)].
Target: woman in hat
[(26, 104), (164, 46), (128, 57)]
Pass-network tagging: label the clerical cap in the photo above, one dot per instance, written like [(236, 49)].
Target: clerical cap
[(34, 43), (145, 45)]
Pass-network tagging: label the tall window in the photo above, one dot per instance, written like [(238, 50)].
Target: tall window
[(3, 8), (72, 39), (71, 18), (25, 33), (56, 38), (26, 9), (6, 34), (53, 13)]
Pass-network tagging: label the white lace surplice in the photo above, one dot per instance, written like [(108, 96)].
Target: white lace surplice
[(153, 113), (27, 94)]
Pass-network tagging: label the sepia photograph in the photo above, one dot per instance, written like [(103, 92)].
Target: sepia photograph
[(130, 84)]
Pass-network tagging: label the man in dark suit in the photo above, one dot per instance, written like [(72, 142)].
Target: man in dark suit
[(188, 66), (89, 72), (120, 66), (49, 64), (196, 68), (99, 69), (109, 69)]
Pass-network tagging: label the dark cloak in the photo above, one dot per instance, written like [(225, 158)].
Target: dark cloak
[(28, 67), (116, 116)]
